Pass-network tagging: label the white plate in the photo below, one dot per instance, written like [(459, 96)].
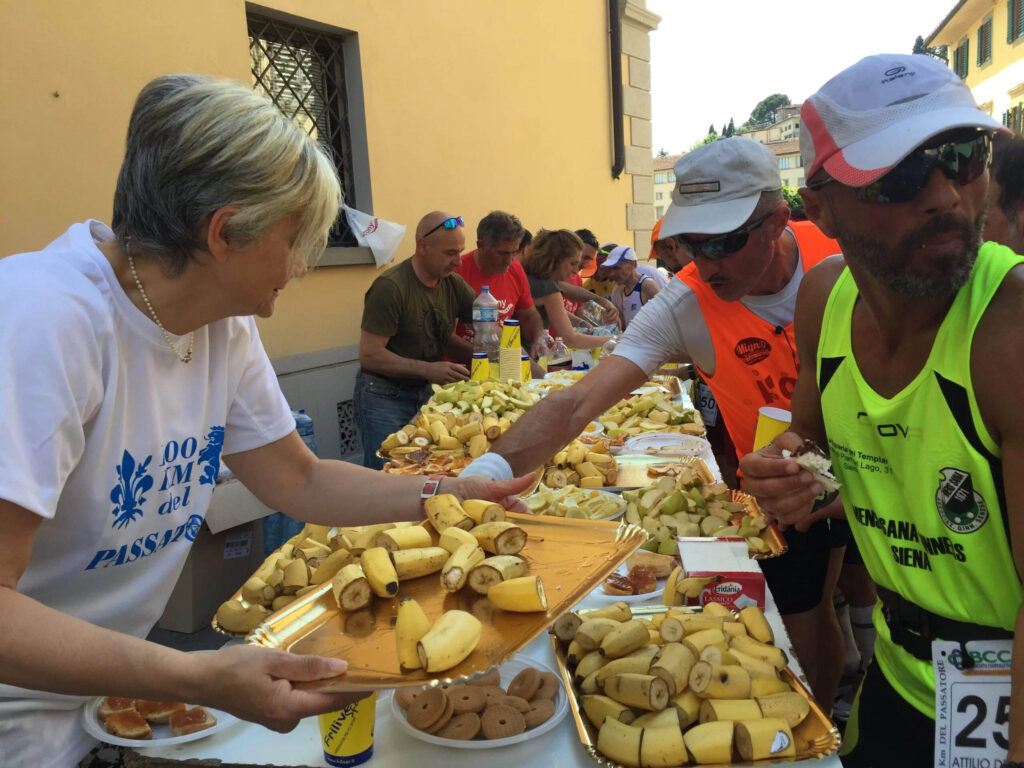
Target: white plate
[(598, 593), (161, 731), (667, 444), (508, 671)]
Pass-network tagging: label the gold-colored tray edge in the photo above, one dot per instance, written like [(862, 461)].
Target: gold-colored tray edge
[(289, 625), (824, 745)]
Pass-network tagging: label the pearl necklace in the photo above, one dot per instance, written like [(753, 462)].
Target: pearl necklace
[(167, 337)]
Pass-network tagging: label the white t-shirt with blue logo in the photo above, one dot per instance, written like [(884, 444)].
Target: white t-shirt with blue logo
[(116, 443)]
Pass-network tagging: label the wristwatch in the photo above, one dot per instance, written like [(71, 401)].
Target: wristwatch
[(430, 489)]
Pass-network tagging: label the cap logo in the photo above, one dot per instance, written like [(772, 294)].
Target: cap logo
[(894, 71), (895, 74), (699, 186)]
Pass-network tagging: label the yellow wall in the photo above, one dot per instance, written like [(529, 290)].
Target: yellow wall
[(965, 23), (470, 106)]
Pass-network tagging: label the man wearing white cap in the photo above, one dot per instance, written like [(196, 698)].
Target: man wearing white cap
[(912, 357), (730, 313), (632, 289)]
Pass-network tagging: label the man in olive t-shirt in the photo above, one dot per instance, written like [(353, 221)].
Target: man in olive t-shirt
[(409, 317)]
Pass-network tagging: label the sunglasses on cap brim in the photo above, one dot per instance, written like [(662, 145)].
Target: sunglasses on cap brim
[(962, 160), (453, 223), (720, 246)]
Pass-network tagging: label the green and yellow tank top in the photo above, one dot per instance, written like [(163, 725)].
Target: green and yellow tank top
[(921, 476)]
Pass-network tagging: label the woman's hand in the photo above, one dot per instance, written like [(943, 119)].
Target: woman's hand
[(502, 492)]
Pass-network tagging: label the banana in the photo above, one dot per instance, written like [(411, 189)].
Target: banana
[(640, 691), (380, 571), (452, 538), (619, 610), (733, 628), (236, 616), (406, 537), (695, 622), (455, 571), (591, 481), (500, 537), (625, 638), (692, 586), (717, 654), (757, 625), (620, 742), (671, 630), (766, 686), (559, 459), (438, 431), (296, 576), (281, 601), (592, 662), (495, 570), (589, 685), (364, 539), (789, 705), (483, 511), (256, 590), (492, 429), (449, 641), (662, 746), (565, 626), (673, 666), (639, 665), (394, 440), (671, 597), (687, 707), (410, 627), (729, 709), (710, 742), (312, 553), (599, 459), (698, 641), (521, 595), (575, 453), (413, 563), (758, 669), (587, 469), (351, 588), (657, 719), (574, 652), (444, 510), (717, 609), (597, 707), (758, 739), (592, 631), (330, 566), (478, 445), (724, 681), (770, 653), (555, 478)]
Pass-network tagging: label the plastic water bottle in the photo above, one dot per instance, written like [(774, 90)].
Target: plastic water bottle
[(541, 349), (304, 426), (486, 328), (559, 351)]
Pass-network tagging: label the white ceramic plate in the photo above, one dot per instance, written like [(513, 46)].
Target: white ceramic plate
[(508, 671), (161, 731), (619, 501), (599, 595), (667, 444)]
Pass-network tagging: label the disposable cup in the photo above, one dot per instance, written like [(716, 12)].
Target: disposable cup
[(347, 735), (770, 422)]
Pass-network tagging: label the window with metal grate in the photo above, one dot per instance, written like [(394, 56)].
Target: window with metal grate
[(303, 72)]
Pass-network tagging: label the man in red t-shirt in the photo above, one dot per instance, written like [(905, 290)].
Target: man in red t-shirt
[(493, 264)]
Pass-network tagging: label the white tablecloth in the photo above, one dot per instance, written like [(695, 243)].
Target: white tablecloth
[(394, 748)]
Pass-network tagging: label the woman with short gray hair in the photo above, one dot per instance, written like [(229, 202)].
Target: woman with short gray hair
[(133, 369)]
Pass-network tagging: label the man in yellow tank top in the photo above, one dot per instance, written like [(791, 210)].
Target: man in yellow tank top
[(916, 340)]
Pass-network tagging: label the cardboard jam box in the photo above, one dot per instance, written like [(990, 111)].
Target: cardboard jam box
[(228, 548), (736, 581)]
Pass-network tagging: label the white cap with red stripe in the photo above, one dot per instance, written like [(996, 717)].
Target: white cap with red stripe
[(871, 115)]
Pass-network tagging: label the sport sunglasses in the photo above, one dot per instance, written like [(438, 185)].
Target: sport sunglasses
[(961, 161), (452, 223), (720, 246)]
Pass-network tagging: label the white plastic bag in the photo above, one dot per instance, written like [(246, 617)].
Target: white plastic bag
[(380, 236)]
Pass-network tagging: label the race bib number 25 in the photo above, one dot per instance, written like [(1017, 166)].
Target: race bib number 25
[(972, 703)]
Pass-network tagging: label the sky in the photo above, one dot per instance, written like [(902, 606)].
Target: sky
[(716, 59)]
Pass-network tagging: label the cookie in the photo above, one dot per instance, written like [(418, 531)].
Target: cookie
[(548, 687), (516, 703), (406, 696), (427, 708), (493, 694), (446, 715), (490, 678), (525, 684), (467, 698), (538, 712), (501, 721), (462, 727)]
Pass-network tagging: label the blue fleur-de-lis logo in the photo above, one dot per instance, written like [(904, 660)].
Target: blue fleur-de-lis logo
[(128, 495), (209, 456)]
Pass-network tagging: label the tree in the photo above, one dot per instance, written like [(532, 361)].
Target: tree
[(764, 112), (938, 51), (662, 152), (711, 130), (729, 130)]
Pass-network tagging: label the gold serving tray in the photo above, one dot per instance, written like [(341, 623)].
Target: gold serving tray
[(633, 474), (571, 556), (816, 736)]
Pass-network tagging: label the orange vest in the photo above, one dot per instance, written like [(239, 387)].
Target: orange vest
[(755, 361)]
